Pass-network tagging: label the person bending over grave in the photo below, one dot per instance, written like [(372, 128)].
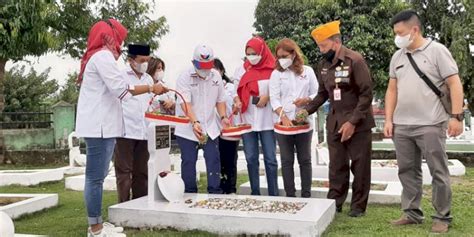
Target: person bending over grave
[(292, 86), (203, 91), (99, 113), (131, 151)]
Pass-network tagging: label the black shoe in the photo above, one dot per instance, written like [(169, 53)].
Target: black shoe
[(338, 209), (356, 213)]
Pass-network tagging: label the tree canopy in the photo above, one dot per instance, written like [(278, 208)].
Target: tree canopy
[(32, 28), (27, 91), (365, 27)]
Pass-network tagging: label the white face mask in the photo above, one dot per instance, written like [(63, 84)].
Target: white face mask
[(159, 75), (254, 59), (403, 42), (141, 67), (285, 62), (203, 73)]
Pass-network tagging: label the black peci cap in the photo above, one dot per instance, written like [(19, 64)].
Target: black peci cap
[(139, 49)]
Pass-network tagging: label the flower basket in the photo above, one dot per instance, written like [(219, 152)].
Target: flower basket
[(297, 128), (235, 131), (166, 119)]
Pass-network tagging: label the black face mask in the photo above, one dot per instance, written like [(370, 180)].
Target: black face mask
[(329, 55)]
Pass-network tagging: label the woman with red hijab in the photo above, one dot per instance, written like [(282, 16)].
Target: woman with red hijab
[(99, 113), (253, 101)]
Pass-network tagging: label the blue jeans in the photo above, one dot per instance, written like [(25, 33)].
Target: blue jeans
[(99, 155), (189, 155), (268, 141)]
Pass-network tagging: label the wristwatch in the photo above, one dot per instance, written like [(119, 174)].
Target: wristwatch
[(459, 117)]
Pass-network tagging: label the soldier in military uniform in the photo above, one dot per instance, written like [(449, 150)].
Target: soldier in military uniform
[(344, 78)]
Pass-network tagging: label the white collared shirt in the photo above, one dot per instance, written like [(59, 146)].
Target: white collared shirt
[(286, 87), (261, 119), (203, 95), (99, 109), (134, 108), (229, 100)]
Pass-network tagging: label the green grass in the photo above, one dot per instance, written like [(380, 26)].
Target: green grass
[(26, 167), (69, 218)]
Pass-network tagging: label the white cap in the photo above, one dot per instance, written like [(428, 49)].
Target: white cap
[(203, 53)]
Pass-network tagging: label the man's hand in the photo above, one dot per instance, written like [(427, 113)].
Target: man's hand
[(454, 127), (197, 130), (262, 102), (301, 116), (300, 102), (159, 89), (286, 121), (347, 130), (388, 129)]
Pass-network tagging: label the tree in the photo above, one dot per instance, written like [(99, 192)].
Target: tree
[(76, 18), (27, 91), (69, 91), (32, 28), (24, 30), (365, 27), (452, 24)]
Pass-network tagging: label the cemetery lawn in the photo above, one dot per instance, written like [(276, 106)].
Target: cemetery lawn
[(68, 219)]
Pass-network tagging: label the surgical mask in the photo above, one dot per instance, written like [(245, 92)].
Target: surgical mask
[(254, 59), (329, 55), (203, 73), (403, 41), (141, 67), (285, 62), (159, 75)]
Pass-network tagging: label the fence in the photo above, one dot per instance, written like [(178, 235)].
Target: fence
[(26, 120)]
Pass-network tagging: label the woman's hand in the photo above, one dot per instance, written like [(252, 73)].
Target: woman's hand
[(262, 102), (300, 102), (237, 106), (286, 121), (169, 104)]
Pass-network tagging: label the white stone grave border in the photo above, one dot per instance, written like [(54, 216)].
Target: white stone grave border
[(391, 194), (34, 203)]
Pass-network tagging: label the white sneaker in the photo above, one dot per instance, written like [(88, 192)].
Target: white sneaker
[(108, 230), (112, 227)]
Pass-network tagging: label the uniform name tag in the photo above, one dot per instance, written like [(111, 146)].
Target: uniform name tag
[(337, 94)]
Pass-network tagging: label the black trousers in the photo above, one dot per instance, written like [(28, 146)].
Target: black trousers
[(228, 155), (302, 144)]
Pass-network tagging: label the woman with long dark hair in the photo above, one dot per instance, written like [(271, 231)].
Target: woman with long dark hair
[(227, 146)]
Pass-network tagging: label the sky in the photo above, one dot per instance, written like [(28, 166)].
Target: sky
[(224, 25)]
